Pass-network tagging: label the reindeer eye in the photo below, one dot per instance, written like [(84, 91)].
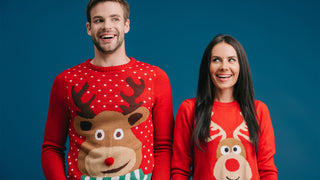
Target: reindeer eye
[(225, 150), (236, 149), (118, 134), (99, 134)]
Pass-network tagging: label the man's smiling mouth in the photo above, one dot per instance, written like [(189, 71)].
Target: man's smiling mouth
[(108, 36), (115, 170)]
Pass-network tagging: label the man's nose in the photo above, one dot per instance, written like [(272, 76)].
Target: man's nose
[(107, 24)]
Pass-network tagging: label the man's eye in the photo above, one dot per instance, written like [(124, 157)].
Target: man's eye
[(116, 19), (98, 20)]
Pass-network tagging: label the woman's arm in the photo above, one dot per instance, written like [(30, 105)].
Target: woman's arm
[(182, 159), (266, 146)]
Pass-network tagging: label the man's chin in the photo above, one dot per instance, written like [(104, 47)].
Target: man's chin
[(106, 49)]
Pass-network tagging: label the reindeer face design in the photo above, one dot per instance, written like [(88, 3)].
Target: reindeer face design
[(110, 148), (231, 155)]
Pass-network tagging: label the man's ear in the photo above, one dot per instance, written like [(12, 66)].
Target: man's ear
[(88, 25), (127, 26)]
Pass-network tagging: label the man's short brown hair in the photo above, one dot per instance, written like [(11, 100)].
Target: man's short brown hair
[(124, 4)]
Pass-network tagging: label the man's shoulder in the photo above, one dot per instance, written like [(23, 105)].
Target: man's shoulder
[(149, 67), (64, 74), (143, 63), (75, 67)]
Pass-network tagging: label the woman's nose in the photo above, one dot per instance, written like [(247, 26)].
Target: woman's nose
[(223, 66)]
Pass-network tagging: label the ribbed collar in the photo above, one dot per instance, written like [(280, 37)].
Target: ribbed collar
[(217, 104), (111, 68)]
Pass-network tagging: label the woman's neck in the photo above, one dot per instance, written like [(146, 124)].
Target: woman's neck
[(224, 96)]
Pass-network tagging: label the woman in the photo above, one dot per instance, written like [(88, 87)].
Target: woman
[(223, 133)]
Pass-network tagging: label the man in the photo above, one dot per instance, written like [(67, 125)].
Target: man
[(116, 110)]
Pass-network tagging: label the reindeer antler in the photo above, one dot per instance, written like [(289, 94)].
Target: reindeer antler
[(213, 127), (138, 90), (85, 112), (243, 126)]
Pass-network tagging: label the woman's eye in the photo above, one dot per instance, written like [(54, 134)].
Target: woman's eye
[(215, 60), (232, 60), (99, 135), (236, 149), (225, 150), (118, 134)]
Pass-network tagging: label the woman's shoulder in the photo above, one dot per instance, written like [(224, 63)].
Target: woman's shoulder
[(187, 105), (189, 102), (260, 105), (261, 108)]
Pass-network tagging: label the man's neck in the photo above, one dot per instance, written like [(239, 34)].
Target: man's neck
[(108, 60)]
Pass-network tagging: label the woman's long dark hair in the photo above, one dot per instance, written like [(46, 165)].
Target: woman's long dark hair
[(243, 93)]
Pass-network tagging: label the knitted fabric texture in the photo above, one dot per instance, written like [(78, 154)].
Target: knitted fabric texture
[(229, 153), (111, 115)]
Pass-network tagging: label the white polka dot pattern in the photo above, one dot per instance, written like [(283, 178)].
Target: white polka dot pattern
[(107, 87)]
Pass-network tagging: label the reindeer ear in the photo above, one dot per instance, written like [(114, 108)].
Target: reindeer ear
[(81, 125), (85, 125), (138, 116), (134, 118)]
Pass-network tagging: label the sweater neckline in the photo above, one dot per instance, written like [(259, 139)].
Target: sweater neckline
[(223, 104), (111, 68)]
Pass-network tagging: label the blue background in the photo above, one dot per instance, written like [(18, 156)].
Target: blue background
[(39, 39)]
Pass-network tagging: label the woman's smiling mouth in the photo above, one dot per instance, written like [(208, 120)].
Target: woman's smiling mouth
[(224, 76)]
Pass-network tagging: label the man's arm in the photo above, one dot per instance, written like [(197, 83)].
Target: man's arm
[(163, 126), (52, 155)]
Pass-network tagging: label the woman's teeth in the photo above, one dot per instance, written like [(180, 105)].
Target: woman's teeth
[(223, 76)]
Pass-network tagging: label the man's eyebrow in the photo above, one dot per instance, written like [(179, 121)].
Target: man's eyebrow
[(114, 15), (95, 17)]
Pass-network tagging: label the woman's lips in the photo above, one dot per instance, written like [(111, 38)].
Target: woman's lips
[(224, 77)]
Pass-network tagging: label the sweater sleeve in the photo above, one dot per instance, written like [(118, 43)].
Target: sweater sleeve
[(266, 146), (55, 135), (182, 158), (163, 126)]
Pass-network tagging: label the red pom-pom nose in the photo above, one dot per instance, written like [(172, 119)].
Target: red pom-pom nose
[(109, 161), (232, 165)]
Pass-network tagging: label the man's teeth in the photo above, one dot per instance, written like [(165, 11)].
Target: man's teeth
[(107, 37)]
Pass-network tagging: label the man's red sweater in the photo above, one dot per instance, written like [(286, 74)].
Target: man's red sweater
[(119, 121)]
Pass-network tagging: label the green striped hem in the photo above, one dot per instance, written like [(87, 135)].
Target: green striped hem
[(134, 175)]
